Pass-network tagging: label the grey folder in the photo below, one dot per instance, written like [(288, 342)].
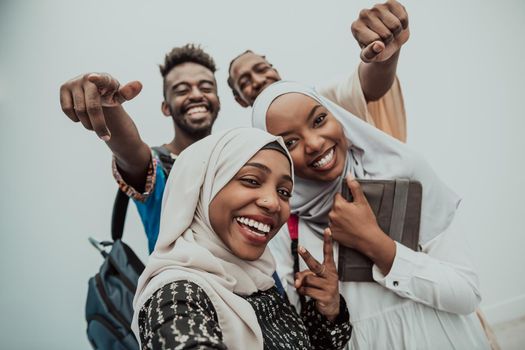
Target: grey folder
[(397, 207)]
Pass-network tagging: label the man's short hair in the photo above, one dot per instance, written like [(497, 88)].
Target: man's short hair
[(187, 53), (230, 80)]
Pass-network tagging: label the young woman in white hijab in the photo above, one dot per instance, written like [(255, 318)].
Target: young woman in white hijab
[(208, 283), (420, 299)]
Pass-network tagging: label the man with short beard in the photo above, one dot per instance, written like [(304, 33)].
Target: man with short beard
[(372, 93), (190, 99)]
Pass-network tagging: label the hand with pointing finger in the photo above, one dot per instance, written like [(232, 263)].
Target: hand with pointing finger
[(86, 97), (321, 281), (381, 31)]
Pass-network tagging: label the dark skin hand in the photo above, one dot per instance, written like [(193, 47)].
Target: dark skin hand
[(95, 100), (380, 32), (354, 225), (320, 282)]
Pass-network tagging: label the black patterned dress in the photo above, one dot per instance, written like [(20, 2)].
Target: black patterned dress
[(181, 316)]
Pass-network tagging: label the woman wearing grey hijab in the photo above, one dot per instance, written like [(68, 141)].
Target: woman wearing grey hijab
[(422, 299)]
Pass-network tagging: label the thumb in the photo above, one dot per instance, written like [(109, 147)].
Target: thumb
[(372, 50), (355, 188), (129, 91)]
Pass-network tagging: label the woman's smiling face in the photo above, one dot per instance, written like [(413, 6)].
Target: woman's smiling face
[(314, 138), (252, 207)]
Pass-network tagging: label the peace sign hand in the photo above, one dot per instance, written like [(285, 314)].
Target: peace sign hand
[(321, 281)]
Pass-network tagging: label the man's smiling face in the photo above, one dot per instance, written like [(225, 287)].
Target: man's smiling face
[(191, 99), (250, 74)]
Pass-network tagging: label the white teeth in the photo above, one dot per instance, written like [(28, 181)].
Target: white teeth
[(196, 110), (255, 224), (323, 161)]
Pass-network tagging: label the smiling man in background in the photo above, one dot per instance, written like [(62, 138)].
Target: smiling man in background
[(190, 100), (372, 93)]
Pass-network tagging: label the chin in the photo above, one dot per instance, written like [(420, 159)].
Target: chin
[(322, 177), (249, 256), (335, 174)]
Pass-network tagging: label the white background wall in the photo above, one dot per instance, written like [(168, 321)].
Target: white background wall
[(462, 75)]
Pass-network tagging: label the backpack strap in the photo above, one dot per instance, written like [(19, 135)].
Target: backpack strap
[(293, 229), (293, 226), (166, 161), (120, 208)]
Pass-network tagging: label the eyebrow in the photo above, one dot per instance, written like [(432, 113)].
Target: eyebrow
[(257, 65), (259, 166), (206, 81), (188, 84), (310, 115), (267, 170), (312, 112)]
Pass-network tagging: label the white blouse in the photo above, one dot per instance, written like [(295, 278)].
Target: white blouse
[(427, 300)]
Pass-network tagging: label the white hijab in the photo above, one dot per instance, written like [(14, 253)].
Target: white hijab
[(189, 249), (372, 154)]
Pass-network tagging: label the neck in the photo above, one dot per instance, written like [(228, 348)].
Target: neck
[(182, 140)]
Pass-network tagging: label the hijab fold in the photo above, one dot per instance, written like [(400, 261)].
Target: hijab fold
[(189, 249), (372, 154)]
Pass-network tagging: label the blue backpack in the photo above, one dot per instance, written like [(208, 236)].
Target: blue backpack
[(109, 304)]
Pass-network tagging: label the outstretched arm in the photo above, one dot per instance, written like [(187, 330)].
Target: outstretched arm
[(96, 100), (380, 32)]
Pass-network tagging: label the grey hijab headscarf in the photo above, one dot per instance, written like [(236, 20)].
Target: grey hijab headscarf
[(372, 154)]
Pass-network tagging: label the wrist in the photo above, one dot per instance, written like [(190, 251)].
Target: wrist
[(331, 318), (113, 109), (381, 249), (392, 60), (333, 313)]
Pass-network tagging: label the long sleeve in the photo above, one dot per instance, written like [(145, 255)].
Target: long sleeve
[(325, 334), (130, 190), (440, 276), (180, 315), (149, 203)]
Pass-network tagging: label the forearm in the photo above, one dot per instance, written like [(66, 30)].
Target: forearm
[(132, 155), (377, 77), (379, 248)]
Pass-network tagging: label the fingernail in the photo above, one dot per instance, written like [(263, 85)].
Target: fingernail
[(105, 138), (377, 48), (301, 249)]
